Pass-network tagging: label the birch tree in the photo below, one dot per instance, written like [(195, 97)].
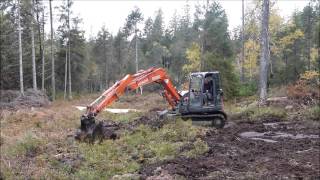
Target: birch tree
[(40, 28), (69, 57), (65, 75), (265, 53), (20, 51), (53, 84), (34, 72), (42, 53)]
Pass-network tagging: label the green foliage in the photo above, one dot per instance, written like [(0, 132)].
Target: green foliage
[(193, 56), (248, 89), (230, 82)]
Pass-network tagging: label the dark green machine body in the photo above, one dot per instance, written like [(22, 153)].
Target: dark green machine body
[(204, 100)]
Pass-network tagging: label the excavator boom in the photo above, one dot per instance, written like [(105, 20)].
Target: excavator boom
[(132, 82)]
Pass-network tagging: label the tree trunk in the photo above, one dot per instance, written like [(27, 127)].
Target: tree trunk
[(106, 63), (34, 72), (20, 52), (265, 54), (42, 53), (242, 49), (309, 37), (136, 47), (53, 83), (40, 42), (69, 53), (65, 75)]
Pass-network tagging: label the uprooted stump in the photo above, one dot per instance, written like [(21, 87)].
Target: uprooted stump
[(100, 131)]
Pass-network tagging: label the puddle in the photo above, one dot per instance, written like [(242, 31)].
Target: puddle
[(262, 136), (298, 136), (265, 140), (272, 125)]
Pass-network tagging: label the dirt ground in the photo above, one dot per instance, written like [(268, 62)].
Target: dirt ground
[(287, 150)]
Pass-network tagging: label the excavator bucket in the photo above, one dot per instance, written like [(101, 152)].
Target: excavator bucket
[(87, 122)]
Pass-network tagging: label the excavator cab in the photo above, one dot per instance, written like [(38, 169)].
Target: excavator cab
[(204, 100)]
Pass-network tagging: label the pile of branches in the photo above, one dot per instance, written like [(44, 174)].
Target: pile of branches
[(13, 100)]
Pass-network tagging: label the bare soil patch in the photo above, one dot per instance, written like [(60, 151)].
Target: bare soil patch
[(231, 156)]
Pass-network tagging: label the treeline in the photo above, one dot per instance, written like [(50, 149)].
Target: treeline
[(190, 42)]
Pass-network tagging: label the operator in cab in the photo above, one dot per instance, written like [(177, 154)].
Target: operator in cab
[(207, 90)]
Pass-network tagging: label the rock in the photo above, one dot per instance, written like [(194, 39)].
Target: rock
[(288, 107)]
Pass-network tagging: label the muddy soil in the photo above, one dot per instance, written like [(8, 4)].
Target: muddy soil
[(251, 150)]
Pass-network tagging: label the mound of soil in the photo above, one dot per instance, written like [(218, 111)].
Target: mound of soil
[(13, 100), (292, 152)]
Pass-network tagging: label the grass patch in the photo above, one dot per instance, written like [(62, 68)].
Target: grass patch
[(261, 113), (123, 118), (29, 146), (144, 145), (199, 147), (313, 113)]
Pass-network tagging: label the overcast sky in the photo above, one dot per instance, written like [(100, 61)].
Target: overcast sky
[(112, 13)]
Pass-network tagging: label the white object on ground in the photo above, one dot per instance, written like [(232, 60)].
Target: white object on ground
[(112, 110)]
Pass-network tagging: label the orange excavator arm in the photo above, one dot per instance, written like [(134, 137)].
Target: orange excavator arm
[(132, 82)]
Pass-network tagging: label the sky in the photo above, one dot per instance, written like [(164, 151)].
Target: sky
[(112, 13)]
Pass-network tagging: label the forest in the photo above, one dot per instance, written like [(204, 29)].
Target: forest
[(52, 71), (191, 42)]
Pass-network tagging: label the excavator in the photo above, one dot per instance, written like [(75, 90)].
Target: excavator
[(203, 101)]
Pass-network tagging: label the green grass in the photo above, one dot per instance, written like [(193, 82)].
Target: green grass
[(261, 113), (30, 145), (199, 147), (313, 113), (124, 118), (144, 145)]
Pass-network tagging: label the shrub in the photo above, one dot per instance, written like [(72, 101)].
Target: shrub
[(306, 89), (248, 89)]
